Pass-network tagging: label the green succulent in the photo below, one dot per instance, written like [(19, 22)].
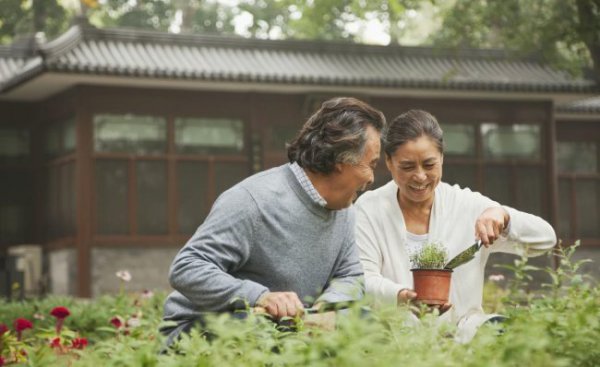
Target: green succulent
[(431, 256)]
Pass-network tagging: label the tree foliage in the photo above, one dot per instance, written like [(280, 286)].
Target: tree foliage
[(565, 32), (22, 17)]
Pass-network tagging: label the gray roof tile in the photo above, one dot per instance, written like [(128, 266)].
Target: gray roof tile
[(124, 52), (585, 106)]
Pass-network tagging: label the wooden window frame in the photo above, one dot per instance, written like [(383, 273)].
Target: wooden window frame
[(171, 159)]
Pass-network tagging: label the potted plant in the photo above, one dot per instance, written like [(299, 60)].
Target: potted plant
[(431, 279)]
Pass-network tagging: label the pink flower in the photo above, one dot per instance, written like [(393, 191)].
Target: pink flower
[(79, 343), (3, 329), (55, 343), (1, 361), (116, 322), (21, 324), (496, 278), (124, 275), (147, 294), (60, 313)]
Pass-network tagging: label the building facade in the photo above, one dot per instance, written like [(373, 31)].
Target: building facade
[(114, 143)]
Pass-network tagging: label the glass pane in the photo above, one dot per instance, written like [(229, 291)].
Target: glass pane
[(564, 209), (60, 138), (203, 135), (67, 199), (111, 197), (459, 140), (69, 136), (530, 190), (52, 197), (497, 185), (151, 183), (228, 174), (577, 156), (15, 207), (463, 175), (588, 204), (511, 141), (12, 224), (14, 144), (130, 134), (192, 184)]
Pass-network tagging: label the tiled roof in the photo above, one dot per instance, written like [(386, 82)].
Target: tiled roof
[(588, 105), (143, 54)]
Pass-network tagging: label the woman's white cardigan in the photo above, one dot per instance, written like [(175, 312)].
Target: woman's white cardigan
[(381, 238)]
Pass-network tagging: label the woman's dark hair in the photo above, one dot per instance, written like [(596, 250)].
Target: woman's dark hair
[(336, 133), (410, 126)]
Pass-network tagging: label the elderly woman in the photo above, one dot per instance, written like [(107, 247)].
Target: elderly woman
[(416, 207)]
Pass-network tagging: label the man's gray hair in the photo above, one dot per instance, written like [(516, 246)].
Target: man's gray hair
[(336, 133)]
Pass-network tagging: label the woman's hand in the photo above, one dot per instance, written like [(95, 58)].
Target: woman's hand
[(408, 297), (490, 224)]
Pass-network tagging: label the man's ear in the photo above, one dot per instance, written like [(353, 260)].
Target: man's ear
[(338, 168)]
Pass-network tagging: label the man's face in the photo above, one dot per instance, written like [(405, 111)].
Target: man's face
[(353, 178), (416, 167)]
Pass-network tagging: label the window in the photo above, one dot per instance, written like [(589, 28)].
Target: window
[(195, 135), (521, 141), (130, 134), (578, 189), (15, 207), (60, 143), (142, 176), (14, 145), (503, 161), (60, 138)]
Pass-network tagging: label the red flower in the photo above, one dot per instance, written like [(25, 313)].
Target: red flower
[(3, 329), (55, 343), (60, 312), (79, 343), (116, 322), (1, 361), (22, 324)]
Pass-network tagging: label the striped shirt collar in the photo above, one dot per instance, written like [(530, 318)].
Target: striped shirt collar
[(307, 184)]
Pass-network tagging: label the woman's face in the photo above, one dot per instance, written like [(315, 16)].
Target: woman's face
[(416, 167)]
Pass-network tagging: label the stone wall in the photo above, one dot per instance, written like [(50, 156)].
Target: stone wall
[(62, 269), (148, 267)]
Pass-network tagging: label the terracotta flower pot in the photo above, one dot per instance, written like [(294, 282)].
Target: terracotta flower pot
[(432, 285)]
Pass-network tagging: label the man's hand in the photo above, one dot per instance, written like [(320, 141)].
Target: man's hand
[(281, 304), (490, 225)]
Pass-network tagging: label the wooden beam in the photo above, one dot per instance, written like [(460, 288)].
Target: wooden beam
[(84, 195)]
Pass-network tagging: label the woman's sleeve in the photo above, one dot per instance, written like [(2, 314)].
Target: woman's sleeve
[(526, 234)]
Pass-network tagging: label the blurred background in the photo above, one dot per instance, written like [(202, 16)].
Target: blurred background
[(121, 121)]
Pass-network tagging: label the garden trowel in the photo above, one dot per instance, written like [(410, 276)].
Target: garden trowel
[(465, 256)]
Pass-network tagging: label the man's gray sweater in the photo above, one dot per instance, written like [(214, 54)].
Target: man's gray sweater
[(265, 234)]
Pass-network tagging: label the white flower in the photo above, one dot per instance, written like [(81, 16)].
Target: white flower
[(133, 322), (123, 275), (496, 278)]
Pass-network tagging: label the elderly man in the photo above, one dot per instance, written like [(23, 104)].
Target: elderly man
[(284, 237)]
